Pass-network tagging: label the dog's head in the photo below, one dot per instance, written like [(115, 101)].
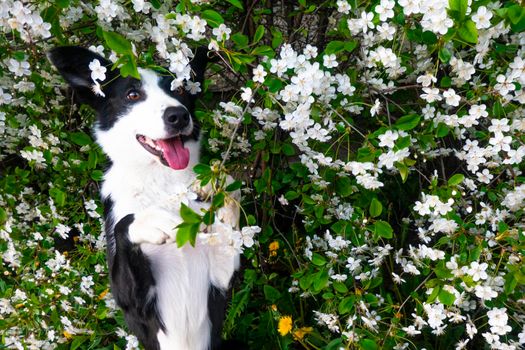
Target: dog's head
[(139, 121)]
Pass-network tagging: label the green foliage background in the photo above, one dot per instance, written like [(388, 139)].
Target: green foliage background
[(280, 193)]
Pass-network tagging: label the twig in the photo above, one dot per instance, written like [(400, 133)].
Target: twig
[(346, 122)]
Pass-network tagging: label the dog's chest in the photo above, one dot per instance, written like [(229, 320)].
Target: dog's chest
[(182, 286), (134, 190), (182, 275)]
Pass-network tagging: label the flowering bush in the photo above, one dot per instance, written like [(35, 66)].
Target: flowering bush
[(380, 147)]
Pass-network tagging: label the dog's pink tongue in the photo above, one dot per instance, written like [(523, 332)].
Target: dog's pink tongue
[(175, 153)]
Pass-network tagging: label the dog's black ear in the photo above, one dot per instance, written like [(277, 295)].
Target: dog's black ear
[(72, 63), (198, 64)]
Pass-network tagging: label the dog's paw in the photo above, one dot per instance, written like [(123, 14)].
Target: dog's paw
[(155, 226), (203, 192)]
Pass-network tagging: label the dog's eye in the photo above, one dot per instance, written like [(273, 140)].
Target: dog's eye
[(133, 95)]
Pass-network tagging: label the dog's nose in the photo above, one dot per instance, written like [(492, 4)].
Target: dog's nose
[(176, 117)]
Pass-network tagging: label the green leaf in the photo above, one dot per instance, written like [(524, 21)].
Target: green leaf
[(402, 142), (213, 18), (273, 84), (456, 179), (468, 32), (79, 340), (515, 13), (259, 33), (510, 283), (434, 294), (277, 38), (92, 159), (288, 149), (429, 38), (497, 109), (442, 130), (375, 208), (383, 229), (520, 26), (250, 220), (234, 186), (58, 196), (445, 82), (156, 4), (350, 45), (240, 40), (97, 175), (236, 3), (202, 169), (458, 9), (242, 58), (117, 43), (270, 293), (129, 68), (263, 50), (335, 344), (475, 253), (218, 200), (80, 138), (441, 271), (318, 259), (62, 3), (343, 186), (290, 195), (368, 344), (346, 305), (340, 287), (408, 122), (321, 280), (403, 171), (446, 298), (209, 217), (305, 282), (3, 216), (188, 215), (444, 55), (187, 232), (334, 47), (364, 154)]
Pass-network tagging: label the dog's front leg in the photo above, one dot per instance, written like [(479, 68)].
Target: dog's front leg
[(224, 261), (132, 279)]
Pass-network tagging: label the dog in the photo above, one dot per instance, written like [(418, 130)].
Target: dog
[(173, 298)]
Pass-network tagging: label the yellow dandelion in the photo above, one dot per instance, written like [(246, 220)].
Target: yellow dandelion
[(285, 325), (103, 294), (273, 247), (68, 335), (301, 332)]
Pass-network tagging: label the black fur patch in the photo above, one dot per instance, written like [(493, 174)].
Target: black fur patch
[(133, 286), (216, 309)]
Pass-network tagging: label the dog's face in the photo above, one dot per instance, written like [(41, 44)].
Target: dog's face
[(140, 122)]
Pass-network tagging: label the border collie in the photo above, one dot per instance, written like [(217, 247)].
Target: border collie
[(173, 298)]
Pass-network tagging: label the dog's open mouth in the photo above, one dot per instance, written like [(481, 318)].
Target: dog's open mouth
[(171, 152)]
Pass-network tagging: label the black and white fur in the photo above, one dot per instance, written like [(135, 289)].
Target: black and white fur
[(173, 298)]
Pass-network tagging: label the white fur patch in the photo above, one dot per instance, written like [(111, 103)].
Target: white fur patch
[(153, 225)]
